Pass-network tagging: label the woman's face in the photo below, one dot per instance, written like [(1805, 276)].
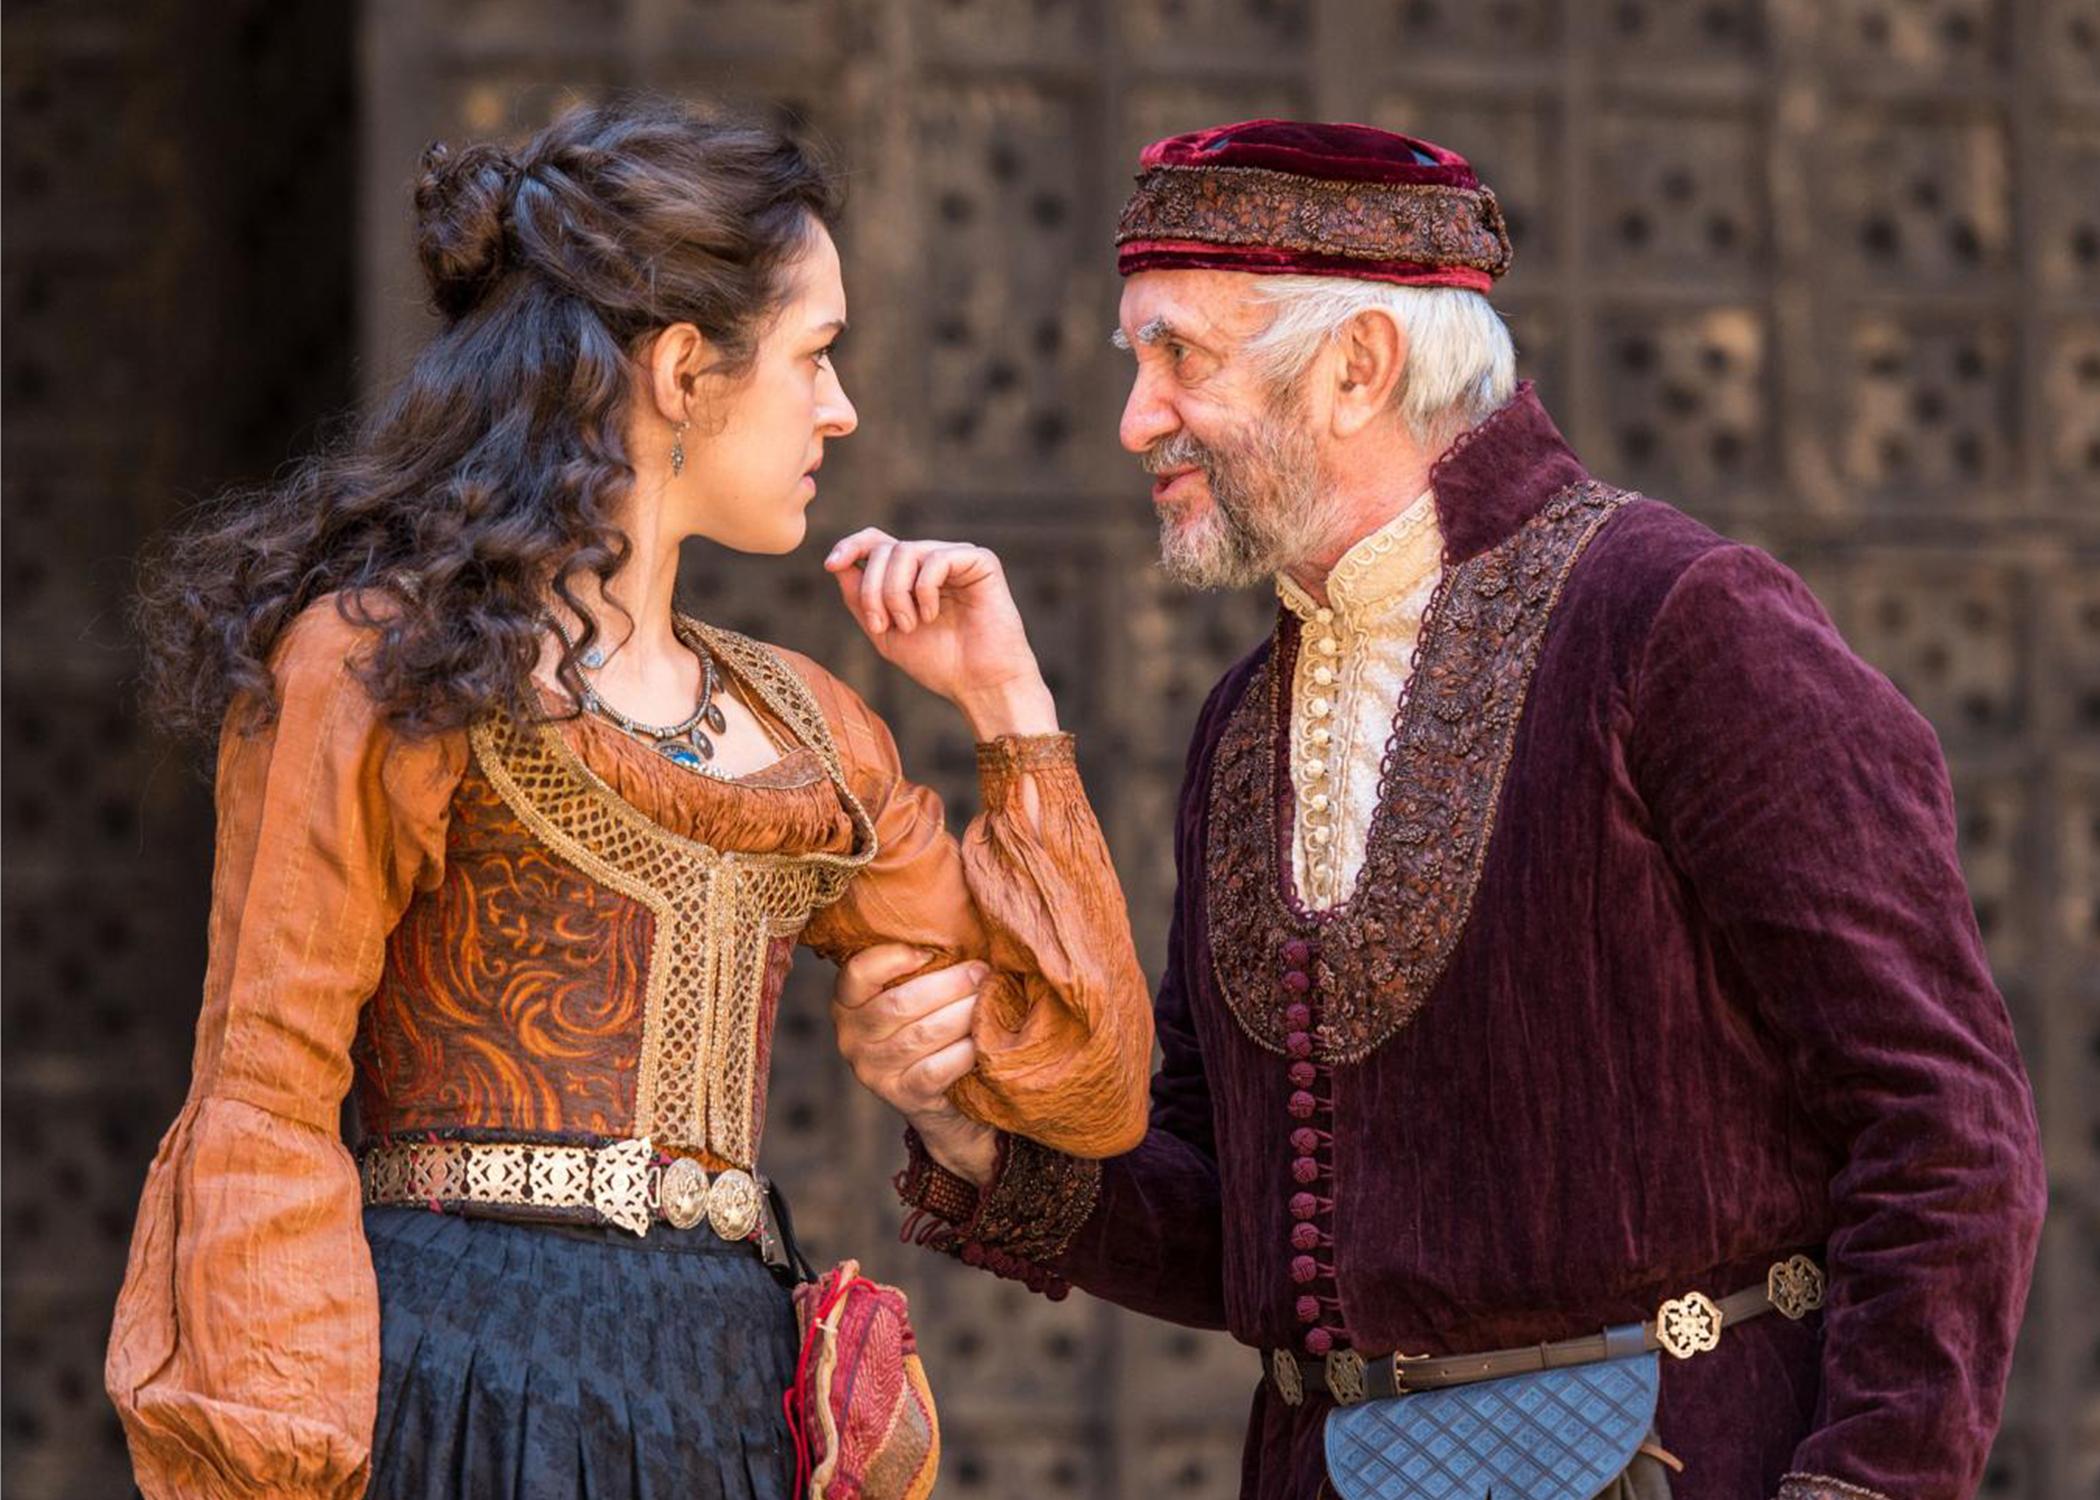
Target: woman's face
[(755, 443)]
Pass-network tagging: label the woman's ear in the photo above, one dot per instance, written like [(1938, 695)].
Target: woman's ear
[(1373, 352), (677, 358)]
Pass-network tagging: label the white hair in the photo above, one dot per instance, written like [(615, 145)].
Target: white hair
[(1461, 363)]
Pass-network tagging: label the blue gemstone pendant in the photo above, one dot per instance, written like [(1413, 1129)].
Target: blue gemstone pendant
[(680, 753)]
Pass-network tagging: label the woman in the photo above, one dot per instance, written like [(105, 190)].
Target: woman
[(522, 853)]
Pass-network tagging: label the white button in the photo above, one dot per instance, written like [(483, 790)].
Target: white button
[(1323, 675), (1321, 736), (1319, 802), (1323, 615), (1319, 836), (1327, 645), (1314, 766), (1319, 708)]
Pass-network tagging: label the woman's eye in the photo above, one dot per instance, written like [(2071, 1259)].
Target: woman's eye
[(823, 355)]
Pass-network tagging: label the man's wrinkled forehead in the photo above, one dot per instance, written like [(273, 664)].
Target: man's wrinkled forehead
[(1213, 309)]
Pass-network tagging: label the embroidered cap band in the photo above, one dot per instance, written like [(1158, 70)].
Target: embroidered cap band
[(1283, 198)]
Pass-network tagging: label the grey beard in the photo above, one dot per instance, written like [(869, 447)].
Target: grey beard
[(1265, 515)]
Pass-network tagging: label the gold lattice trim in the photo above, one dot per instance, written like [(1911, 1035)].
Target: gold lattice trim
[(717, 912)]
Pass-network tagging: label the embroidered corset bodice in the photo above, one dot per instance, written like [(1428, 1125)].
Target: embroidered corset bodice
[(583, 970)]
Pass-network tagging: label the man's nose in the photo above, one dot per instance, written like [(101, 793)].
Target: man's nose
[(1146, 418)]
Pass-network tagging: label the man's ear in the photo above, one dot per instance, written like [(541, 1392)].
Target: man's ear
[(1372, 350), (678, 357)]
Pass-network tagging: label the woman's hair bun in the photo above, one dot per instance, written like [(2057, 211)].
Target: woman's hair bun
[(463, 221)]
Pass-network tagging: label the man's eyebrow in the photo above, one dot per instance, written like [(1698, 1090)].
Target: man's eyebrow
[(1155, 331)]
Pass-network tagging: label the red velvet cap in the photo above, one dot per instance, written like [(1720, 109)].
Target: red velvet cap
[(1287, 198)]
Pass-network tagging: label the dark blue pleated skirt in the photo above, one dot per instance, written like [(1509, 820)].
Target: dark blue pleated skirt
[(520, 1362)]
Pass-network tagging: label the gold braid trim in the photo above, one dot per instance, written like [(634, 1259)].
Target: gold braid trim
[(717, 912), (1421, 223), (1823, 1487), (1383, 950)]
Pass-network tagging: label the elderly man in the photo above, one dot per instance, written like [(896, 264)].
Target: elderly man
[(1573, 1004)]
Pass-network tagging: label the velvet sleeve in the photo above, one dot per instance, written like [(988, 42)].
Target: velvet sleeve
[(1064, 1026), (245, 1351), (1144, 1230), (1807, 807)]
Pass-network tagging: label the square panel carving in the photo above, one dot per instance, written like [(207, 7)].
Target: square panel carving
[(981, 31), (1912, 201), (2071, 49), (812, 30), (1687, 401), (1010, 251), (509, 102), (1991, 813), (1541, 340), (2071, 406), (1185, 1377), (2069, 249), (1929, 408), (1924, 40), (1678, 194), (2077, 834), (1263, 31), (65, 165), (1181, 1461), (1951, 637), (1708, 31), (1514, 144), (1033, 1459), (1496, 29), (1000, 1354), (2070, 657)]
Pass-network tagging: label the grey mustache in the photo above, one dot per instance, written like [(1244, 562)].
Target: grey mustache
[(1177, 452)]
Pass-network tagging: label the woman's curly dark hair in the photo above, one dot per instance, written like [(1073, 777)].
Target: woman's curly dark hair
[(494, 472)]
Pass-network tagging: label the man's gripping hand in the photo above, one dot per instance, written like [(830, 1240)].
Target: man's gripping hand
[(908, 1041)]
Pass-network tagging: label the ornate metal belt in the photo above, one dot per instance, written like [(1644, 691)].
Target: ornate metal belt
[(1682, 1327), (629, 1184)]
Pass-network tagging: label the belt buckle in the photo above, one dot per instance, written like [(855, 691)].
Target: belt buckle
[(683, 1193), (1688, 1325), (1794, 1286), (620, 1183), (1345, 1376), (733, 1204), (1283, 1369)]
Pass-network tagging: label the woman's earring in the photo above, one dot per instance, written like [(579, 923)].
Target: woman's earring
[(678, 450)]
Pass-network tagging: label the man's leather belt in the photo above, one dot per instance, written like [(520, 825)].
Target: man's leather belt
[(1683, 1326), (628, 1184)]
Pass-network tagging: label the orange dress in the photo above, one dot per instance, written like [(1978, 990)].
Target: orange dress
[(551, 930)]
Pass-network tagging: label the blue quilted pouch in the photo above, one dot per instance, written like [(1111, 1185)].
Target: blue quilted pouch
[(1554, 1435)]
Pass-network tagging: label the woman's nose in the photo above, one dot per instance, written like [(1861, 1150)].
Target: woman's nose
[(836, 416)]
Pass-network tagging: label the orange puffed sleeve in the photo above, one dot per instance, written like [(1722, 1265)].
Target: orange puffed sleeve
[(244, 1359), (1064, 1032)]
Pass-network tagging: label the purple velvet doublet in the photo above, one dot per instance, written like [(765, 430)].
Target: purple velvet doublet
[(1661, 967)]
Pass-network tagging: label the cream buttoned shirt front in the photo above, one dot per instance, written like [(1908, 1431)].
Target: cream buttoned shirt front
[(1355, 657)]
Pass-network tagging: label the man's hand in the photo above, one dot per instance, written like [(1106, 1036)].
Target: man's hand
[(908, 1041)]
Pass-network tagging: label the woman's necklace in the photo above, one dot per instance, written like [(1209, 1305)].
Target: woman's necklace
[(687, 743)]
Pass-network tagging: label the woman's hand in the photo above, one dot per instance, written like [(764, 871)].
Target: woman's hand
[(941, 611)]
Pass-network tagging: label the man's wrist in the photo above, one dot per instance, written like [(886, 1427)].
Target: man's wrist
[(966, 1147)]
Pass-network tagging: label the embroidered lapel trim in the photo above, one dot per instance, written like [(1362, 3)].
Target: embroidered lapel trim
[(1382, 951)]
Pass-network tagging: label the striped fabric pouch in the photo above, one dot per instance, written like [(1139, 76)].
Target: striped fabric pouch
[(860, 1411)]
